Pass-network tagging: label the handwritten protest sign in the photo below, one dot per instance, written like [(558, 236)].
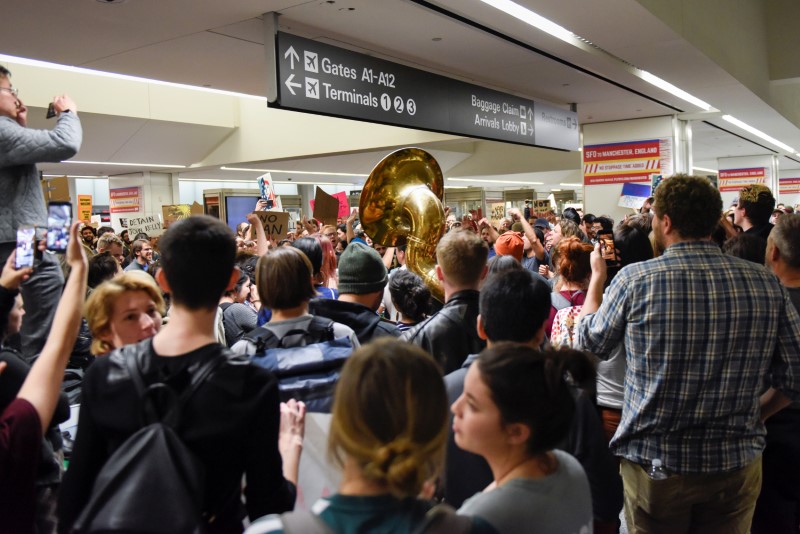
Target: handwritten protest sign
[(275, 222), (149, 224), (175, 212)]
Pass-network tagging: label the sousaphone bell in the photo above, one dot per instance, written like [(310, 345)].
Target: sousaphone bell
[(401, 204)]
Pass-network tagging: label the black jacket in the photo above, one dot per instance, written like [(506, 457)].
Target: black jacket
[(365, 323), (451, 334), (231, 423)]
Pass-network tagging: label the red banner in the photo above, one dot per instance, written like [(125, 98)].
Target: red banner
[(735, 179), (616, 163), (789, 186)]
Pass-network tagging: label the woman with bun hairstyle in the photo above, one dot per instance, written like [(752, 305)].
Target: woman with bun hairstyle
[(571, 261), (515, 409), (387, 434)]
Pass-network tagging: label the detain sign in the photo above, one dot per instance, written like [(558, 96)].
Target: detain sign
[(319, 78)]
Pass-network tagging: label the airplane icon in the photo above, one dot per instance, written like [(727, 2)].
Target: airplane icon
[(312, 88)]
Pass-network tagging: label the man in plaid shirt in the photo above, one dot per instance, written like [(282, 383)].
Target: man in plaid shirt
[(706, 335)]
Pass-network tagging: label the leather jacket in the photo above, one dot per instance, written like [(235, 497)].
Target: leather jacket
[(451, 334)]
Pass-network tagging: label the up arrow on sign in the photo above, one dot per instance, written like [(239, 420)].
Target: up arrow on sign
[(290, 84), (293, 56)]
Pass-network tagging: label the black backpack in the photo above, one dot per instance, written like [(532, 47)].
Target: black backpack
[(306, 362), (152, 483)]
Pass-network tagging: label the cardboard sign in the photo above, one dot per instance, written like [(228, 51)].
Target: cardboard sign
[(275, 222), (56, 189), (175, 212), (326, 207), (85, 208), (149, 224)]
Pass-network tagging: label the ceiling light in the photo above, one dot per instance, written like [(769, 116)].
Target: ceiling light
[(90, 72), (571, 185), (671, 89), (704, 169), (554, 190), (492, 182), (159, 165), (316, 173), (758, 133), (287, 182), (537, 21), (71, 176), (534, 19)]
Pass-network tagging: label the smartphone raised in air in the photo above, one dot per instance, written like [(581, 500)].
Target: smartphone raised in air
[(59, 219), (608, 249), (25, 247)]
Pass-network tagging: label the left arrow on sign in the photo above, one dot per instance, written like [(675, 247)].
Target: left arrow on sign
[(293, 56), (290, 84)]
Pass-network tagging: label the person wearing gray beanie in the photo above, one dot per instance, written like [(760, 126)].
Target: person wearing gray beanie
[(361, 270), (362, 277)]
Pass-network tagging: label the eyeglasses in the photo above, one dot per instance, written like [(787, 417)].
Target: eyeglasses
[(11, 90)]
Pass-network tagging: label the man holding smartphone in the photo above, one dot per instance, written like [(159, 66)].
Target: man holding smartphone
[(22, 200)]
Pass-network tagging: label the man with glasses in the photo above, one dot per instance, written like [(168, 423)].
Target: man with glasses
[(22, 201)]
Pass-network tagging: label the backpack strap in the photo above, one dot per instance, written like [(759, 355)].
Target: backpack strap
[(304, 522), (262, 338), (321, 328), (442, 519), (560, 302), (133, 361), (225, 305)]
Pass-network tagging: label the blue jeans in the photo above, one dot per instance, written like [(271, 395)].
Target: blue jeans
[(40, 295)]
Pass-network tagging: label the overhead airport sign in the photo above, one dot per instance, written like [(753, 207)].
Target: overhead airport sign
[(319, 78)]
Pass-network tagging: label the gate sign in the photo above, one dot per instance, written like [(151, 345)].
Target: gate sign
[(319, 78)]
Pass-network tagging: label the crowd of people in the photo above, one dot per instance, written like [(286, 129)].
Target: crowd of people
[(551, 391)]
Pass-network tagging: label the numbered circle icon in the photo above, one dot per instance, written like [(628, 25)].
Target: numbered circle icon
[(386, 102)]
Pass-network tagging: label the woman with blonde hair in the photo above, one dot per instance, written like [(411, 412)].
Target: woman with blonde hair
[(124, 310), (388, 433)]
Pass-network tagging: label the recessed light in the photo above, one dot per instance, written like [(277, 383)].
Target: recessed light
[(112, 1), (436, 39)]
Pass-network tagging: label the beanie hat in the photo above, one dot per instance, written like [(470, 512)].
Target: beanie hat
[(361, 270), (508, 244)]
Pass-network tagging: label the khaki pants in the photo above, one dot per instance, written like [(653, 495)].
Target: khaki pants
[(708, 503)]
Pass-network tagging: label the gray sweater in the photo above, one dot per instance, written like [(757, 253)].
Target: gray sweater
[(21, 197)]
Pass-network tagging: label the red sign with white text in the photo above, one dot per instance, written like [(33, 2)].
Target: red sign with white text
[(617, 163), (735, 179), (789, 186)]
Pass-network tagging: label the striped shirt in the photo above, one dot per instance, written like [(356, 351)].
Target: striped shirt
[(705, 335)]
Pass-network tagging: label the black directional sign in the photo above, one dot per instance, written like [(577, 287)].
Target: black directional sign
[(320, 78)]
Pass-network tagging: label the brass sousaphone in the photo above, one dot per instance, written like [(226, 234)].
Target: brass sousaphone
[(401, 204)]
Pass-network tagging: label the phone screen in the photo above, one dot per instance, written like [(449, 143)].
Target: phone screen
[(25, 246), (59, 219), (608, 250)]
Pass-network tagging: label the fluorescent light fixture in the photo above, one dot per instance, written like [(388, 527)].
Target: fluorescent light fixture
[(534, 19), (315, 173), (537, 21), (652, 79), (492, 182), (705, 170), (90, 72), (456, 187), (554, 190), (71, 176), (571, 185), (159, 165), (222, 180), (758, 133)]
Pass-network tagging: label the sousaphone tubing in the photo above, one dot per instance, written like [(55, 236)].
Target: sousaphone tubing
[(401, 204)]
